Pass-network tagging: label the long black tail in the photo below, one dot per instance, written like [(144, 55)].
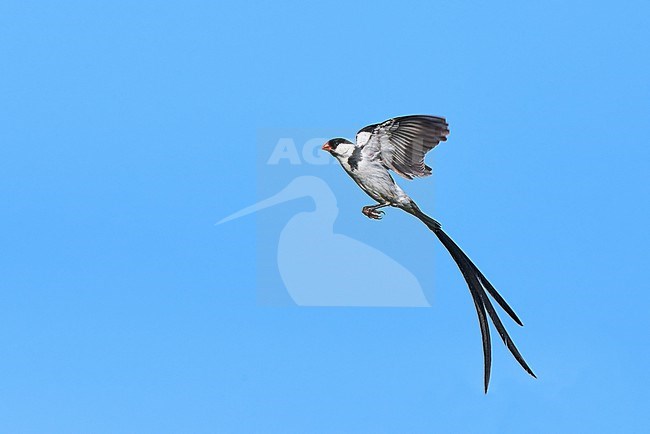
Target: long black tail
[(478, 284)]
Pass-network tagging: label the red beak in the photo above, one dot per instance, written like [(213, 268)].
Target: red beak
[(326, 147)]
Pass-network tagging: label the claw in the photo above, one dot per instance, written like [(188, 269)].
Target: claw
[(372, 213)]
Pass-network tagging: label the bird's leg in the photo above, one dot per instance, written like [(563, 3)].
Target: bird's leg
[(371, 211)]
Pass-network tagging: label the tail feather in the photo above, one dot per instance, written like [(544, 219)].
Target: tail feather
[(478, 284)]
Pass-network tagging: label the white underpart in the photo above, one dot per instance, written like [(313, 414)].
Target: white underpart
[(371, 175)]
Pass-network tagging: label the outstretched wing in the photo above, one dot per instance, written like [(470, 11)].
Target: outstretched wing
[(402, 142)]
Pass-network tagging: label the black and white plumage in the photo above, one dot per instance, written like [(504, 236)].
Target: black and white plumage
[(400, 144)]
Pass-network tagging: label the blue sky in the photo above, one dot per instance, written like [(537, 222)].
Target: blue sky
[(129, 128)]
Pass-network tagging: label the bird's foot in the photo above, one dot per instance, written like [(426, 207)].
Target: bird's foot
[(372, 213)]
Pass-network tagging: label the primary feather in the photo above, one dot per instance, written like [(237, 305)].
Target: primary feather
[(402, 142)]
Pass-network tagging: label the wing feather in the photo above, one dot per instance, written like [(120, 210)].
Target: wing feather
[(402, 142)]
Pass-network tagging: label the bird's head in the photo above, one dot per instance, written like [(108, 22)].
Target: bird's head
[(339, 147)]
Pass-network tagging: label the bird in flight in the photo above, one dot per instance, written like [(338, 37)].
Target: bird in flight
[(400, 144)]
